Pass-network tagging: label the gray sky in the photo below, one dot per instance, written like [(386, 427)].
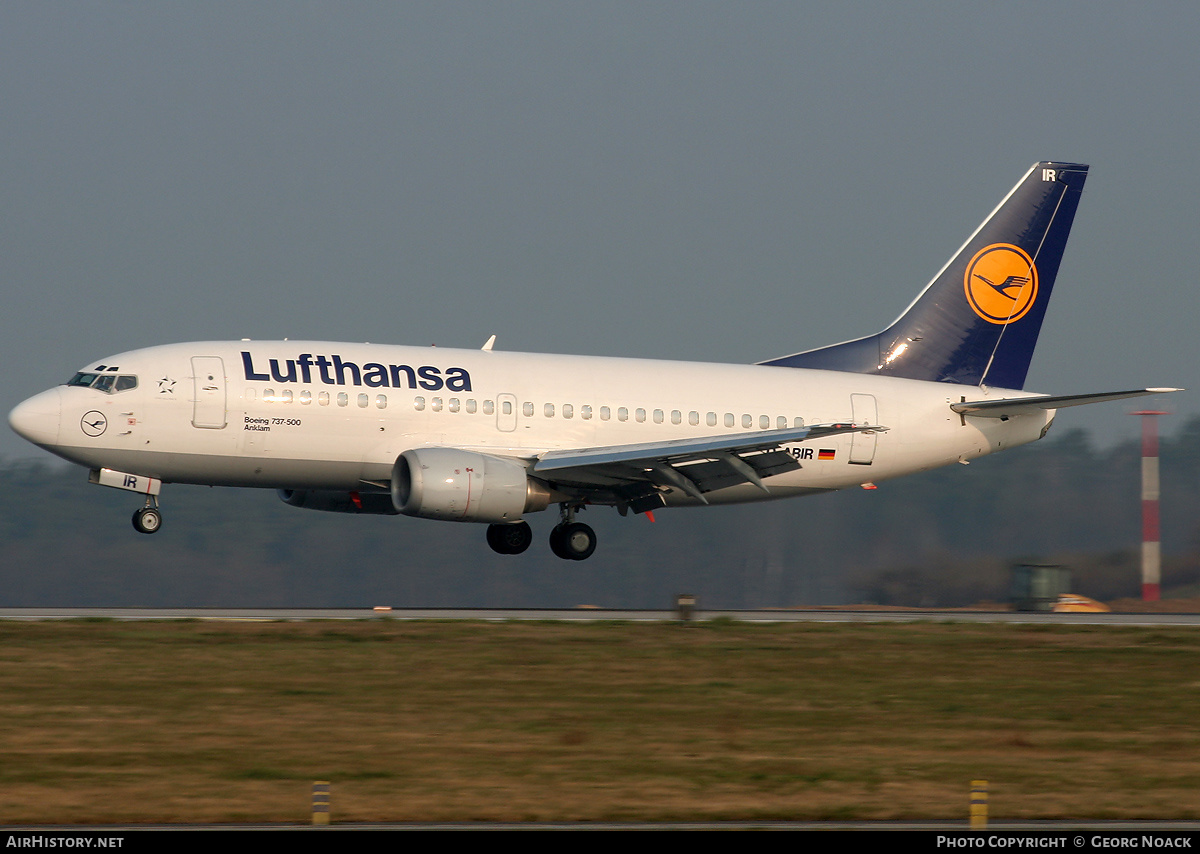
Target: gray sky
[(705, 181)]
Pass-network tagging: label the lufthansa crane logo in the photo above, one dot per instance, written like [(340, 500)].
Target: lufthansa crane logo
[(93, 423), (1001, 283)]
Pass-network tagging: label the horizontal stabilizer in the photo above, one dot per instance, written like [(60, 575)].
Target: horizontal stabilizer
[(1030, 405)]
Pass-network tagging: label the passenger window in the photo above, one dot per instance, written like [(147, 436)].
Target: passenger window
[(694, 418), (268, 395), (764, 421), (676, 416), (585, 412), (436, 404), (548, 410), (640, 415), (470, 407), (605, 413), (658, 416), (781, 422), (343, 399), (797, 422), (453, 406), (419, 404), (527, 409), (306, 397), (711, 419), (568, 410), (363, 400), (489, 407), (381, 401), (728, 419), (623, 414), (747, 421), (323, 398), (286, 395)]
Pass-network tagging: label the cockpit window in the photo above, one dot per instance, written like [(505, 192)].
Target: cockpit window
[(82, 378), (108, 383)]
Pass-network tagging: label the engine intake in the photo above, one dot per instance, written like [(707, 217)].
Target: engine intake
[(462, 486)]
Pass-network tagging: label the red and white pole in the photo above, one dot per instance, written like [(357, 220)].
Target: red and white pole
[(1151, 548)]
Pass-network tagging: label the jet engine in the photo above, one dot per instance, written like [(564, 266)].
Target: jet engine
[(371, 503), (461, 486)]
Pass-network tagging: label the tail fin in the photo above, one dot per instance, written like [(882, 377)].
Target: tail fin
[(978, 320)]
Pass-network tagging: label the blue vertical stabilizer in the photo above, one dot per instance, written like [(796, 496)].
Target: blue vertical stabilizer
[(977, 322)]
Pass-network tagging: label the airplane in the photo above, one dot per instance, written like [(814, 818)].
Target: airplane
[(487, 436)]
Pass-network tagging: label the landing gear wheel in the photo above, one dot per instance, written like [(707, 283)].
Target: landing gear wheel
[(573, 541), (147, 520), (509, 539)]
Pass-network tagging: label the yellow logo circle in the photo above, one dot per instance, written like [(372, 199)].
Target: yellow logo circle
[(1001, 283)]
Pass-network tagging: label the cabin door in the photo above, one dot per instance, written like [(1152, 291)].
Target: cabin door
[(208, 392), (862, 445)]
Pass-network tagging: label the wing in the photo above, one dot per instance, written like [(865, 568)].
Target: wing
[(635, 476), (1029, 405)]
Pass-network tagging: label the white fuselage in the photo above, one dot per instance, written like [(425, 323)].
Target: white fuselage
[(321, 415)]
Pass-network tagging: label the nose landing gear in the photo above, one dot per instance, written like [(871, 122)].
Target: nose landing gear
[(147, 519)]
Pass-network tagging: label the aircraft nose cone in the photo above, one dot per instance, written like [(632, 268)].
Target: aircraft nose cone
[(37, 419)]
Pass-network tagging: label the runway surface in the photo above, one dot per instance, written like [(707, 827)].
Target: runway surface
[(597, 614)]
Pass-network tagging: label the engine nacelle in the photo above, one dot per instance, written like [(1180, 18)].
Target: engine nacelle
[(332, 501), (462, 486)]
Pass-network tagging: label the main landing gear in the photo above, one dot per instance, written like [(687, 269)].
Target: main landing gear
[(147, 519), (570, 540), (573, 541), (509, 539)]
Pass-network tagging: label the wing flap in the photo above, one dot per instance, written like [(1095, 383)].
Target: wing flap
[(731, 470), (693, 466), (680, 450)]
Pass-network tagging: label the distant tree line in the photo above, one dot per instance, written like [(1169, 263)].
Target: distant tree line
[(946, 537)]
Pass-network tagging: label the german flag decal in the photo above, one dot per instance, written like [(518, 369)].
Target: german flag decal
[(826, 454)]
